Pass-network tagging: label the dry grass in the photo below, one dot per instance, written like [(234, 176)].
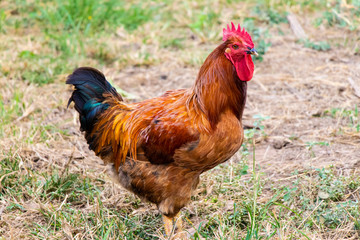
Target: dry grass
[(306, 181)]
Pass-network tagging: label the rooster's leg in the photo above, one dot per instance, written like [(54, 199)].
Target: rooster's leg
[(178, 222), (168, 225)]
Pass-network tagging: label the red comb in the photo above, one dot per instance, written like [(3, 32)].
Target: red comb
[(227, 32)]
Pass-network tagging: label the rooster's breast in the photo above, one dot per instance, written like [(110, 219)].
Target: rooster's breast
[(212, 148)]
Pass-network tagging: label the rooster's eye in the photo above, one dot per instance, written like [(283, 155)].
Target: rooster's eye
[(235, 46)]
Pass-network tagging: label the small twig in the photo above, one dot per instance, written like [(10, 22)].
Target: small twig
[(294, 91), (250, 126), (296, 27), (2, 210), (63, 202), (341, 17), (348, 195), (261, 85), (293, 176), (256, 182), (354, 86), (193, 230), (5, 175), (26, 113), (68, 162), (310, 213)]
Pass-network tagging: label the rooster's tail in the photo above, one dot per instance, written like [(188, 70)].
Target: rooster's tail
[(91, 90)]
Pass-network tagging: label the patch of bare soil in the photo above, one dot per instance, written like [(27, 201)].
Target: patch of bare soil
[(295, 86)]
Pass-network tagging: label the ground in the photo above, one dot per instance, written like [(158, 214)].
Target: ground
[(301, 117)]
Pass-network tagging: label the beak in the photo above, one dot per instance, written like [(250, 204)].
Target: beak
[(253, 52)]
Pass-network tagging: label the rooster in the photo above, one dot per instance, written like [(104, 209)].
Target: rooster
[(158, 148)]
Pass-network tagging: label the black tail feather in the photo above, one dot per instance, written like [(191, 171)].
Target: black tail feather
[(88, 96)]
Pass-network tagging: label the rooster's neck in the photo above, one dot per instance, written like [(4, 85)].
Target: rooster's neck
[(218, 88)]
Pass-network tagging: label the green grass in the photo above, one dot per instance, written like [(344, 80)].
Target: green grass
[(319, 46), (10, 111), (349, 118), (318, 197), (71, 190), (67, 30), (340, 15)]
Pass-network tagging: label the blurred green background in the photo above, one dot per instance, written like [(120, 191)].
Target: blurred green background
[(53, 37)]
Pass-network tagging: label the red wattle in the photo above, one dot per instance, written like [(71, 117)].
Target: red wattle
[(245, 68)]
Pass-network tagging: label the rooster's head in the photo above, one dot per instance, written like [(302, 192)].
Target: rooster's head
[(239, 47)]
